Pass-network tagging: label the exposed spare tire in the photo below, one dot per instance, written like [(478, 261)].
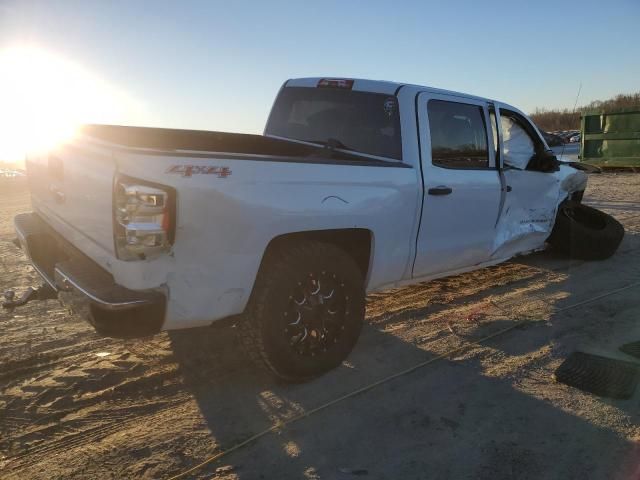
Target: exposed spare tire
[(584, 232)]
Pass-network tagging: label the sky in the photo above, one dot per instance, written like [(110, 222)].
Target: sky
[(217, 65)]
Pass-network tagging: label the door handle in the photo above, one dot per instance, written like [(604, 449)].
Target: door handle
[(440, 190), (509, 188)]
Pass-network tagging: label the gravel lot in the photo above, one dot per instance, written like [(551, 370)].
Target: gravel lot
[(74, 405)]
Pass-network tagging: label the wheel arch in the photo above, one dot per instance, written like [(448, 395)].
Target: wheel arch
[(358, 243), (269, 336)]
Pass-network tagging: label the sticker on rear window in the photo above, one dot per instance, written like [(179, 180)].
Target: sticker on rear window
[(389, 106)]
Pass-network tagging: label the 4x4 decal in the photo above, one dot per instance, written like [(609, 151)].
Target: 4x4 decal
[(190, 170)]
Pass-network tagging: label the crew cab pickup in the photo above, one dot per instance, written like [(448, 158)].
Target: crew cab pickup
[(355, 186)]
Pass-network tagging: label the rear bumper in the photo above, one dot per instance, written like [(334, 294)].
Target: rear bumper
[(65, 268)]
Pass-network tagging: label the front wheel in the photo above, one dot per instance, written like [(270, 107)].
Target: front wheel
[(306, 310)]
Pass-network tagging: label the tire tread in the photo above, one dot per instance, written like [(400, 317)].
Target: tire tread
[(281, 262)]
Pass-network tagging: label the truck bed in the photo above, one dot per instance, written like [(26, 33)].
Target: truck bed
[(201, 141)]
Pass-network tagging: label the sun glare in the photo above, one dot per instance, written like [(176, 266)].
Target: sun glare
[(44, 98)]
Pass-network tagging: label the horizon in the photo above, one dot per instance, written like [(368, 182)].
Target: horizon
[(217, 66)]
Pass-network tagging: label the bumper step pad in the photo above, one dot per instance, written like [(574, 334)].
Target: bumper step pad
[(64, 267), (99, 286)]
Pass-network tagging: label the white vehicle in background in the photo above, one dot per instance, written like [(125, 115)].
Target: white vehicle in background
[(355, 186), (6, 173)]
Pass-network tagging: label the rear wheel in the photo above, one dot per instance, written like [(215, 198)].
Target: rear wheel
[(306, 311), (584, 232)]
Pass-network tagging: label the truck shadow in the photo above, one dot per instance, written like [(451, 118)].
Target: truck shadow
[(450, 419)]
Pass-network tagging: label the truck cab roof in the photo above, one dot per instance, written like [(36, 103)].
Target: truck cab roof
[(376, 86)]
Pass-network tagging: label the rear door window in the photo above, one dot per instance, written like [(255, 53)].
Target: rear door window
[(363, 122), (458, 135)]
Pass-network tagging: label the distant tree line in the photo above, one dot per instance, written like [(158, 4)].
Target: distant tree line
[(566, 119)]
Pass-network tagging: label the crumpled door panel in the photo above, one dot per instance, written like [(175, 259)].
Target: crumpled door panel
[(530, 208)]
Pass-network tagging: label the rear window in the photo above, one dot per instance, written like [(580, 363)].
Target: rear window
[(362, 121)]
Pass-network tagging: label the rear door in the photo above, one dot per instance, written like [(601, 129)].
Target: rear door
[(462, 189)]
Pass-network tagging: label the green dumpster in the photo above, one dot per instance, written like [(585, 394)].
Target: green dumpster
[(611, 138)]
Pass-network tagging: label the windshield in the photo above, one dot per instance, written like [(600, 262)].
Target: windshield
[(360, 121)]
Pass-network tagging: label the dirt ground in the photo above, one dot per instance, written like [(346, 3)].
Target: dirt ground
[(74, 405)]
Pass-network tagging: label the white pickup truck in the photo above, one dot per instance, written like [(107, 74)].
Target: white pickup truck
[(355, 186)]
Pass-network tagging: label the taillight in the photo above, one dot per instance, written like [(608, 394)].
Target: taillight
[(144, 218), (335, 83)]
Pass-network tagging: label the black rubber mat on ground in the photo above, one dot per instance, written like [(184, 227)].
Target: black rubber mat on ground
[(599, 375), (632, 349)]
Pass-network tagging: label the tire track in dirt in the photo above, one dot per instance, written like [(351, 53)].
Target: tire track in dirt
[(13, 369), (72, 439), (84, 396)]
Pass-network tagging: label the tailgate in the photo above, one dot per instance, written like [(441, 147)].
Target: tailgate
[(71, 188)]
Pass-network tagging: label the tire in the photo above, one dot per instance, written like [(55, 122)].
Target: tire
[(306, 310), (585, 233)]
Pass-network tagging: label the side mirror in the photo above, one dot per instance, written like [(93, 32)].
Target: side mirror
[(544, 161)]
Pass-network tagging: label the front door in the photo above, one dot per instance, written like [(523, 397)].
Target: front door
[(462, 189), (531, 199)]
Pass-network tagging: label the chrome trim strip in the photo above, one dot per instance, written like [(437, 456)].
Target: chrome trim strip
[(66, 283), (343, 150)]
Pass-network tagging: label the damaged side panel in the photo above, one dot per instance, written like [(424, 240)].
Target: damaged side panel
[(530, 208)]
